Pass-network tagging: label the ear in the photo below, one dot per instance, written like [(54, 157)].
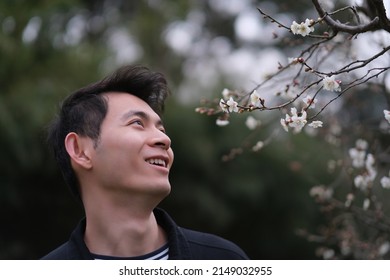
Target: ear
[(79, 150)]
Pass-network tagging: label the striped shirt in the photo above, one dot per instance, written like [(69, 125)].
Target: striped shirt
[(159, 254)]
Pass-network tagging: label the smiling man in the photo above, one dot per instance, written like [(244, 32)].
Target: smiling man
[(111, 146)]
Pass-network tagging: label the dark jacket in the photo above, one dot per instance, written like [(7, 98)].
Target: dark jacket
[(184, 244)]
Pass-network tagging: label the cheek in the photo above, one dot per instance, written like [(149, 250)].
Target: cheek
[(117, 152), (171, 155)]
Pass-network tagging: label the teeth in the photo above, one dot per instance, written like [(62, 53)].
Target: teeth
[(156, 161)]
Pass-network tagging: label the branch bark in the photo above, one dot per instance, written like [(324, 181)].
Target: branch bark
[(378, 8), (374, 24)]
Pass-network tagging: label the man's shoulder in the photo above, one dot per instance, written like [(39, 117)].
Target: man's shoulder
[(209, 246), (60, 253), (73, 249)]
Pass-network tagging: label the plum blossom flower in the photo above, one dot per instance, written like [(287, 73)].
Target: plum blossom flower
[(358, 153), (364, 180), (292, 60), (252, 123), (328, 254), (222, 122), (349, 200), (295, 27), (361, 182), (255, 99), (259, 145), (365, 162), (303, 28), (226, 93), (298, 121), (366, 204), (223, 105), (321, 192), (310, 102), (316, 124), (385, 182), (233, 105), (384, 248), (361, 144), (370, 161), (295, 121), (387, 115), (331, 84), (285, 122), (228, 106)]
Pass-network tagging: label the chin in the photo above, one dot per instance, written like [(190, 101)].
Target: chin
[(166, 190), (162, 189)]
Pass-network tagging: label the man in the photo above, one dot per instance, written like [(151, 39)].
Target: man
[(111, 146)]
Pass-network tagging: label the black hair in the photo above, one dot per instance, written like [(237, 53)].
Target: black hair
[(84, 110)]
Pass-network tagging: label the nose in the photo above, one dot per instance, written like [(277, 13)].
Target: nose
[(161, 139)]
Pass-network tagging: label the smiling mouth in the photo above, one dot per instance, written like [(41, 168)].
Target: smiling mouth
[(157, 161)]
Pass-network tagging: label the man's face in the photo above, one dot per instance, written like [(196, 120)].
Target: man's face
[(133, 153)]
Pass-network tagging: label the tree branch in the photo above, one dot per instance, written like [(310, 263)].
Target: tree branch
[(337, 26), (380, 10)]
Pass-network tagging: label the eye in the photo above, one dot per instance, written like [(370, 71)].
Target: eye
[(136, 122)]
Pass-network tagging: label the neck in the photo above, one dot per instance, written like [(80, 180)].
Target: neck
[(122, 230)]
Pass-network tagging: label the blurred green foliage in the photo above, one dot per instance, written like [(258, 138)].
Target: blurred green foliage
[(258, 200)]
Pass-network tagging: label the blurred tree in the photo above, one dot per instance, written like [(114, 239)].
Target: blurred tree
[(337, 77)]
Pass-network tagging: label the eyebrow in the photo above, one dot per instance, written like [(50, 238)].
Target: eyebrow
[(140, 114)]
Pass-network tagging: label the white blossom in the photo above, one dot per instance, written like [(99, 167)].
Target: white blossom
[(360, 159), (293, 60), (223, 105), (366, 204), (361, 144), (329, 83), (358, 156), (370, 161), (316, 124), (385, 182), (303, 28), (371, 171), (259, 145), (233, 105), (328, 254), (364, 161), (255, 99), (361, 182), (228, 106), (384, 248), (309, 23), (321, 192), (295, 121), (295, 27), (310, 102), (284, 123), (221, 122), (298, 121), (226, 93), (350, 198), (387, 115), (252, 123)]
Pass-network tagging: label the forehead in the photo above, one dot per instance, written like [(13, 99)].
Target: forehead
[(119, 103)]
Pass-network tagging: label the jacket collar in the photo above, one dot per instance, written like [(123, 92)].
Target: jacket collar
[(178, 244)]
